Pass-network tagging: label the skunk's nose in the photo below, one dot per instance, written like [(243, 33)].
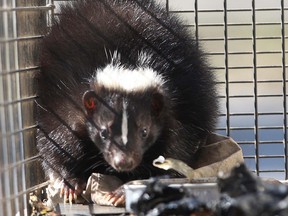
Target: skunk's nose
[(123, 163)]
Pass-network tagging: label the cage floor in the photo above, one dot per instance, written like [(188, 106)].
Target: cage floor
[(93, 209)]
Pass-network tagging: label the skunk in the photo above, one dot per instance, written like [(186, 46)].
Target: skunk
[(121, 82)]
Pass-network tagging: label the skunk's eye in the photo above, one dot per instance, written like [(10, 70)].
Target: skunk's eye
[(89, 101), (144, 133), (104, 134)]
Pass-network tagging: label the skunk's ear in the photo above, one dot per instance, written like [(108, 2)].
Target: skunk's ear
[(89, 102), (157, 103)]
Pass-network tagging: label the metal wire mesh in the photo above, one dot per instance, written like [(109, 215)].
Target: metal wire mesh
[(21, 28), (245, 42)]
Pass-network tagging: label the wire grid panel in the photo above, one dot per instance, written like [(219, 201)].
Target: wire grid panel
[(246, 43), (21, 28)]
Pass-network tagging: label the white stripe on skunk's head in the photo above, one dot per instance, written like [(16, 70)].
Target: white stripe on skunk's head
[(116, 77)]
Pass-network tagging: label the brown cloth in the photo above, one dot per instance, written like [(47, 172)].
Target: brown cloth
[(217, 149), (220, 154)]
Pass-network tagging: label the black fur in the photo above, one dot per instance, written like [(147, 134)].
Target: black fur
[(79, 43)]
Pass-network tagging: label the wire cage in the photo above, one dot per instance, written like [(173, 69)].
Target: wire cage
[(22, 25), (246, 44)]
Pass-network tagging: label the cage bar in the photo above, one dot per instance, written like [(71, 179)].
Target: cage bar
[(246, 45), (21, 30)]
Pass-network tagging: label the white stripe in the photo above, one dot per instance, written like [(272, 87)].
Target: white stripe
[(116, 76), (124, 127)]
